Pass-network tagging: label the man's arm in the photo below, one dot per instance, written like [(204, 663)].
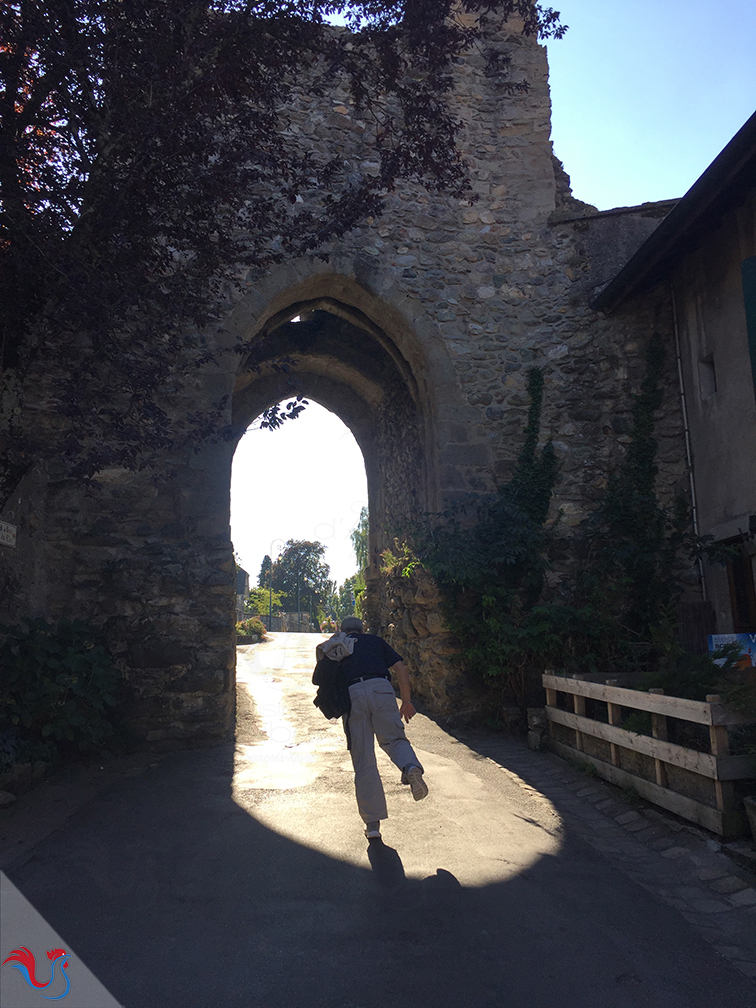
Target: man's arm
[(406, 710)]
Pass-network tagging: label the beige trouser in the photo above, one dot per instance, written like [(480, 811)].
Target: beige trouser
[(375, 715)]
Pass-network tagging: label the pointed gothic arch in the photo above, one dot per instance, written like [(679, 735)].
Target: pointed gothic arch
[(381, 373), (356, 373)]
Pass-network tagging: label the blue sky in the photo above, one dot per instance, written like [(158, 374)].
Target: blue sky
[(645, 94)]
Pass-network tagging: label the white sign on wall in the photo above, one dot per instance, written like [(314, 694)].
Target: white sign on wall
[(7, 534)]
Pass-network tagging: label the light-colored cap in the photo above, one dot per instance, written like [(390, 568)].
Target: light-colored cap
[(352, 623)]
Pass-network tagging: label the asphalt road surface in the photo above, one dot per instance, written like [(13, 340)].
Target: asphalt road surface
[(239, 877)]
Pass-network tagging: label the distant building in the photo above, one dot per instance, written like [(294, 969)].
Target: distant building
[(242, 592)]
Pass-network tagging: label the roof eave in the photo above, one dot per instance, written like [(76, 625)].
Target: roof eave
[(716, 191)]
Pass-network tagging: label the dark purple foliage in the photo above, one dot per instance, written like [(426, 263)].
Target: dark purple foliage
[(145, 166)]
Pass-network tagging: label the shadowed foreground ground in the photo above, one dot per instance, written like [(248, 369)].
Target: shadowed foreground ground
[(189, 887)]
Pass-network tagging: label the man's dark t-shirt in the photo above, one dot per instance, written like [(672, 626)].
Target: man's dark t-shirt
[(372, 656)]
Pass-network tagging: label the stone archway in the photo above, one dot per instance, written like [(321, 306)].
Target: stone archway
[(351, 367), (377, 360), (392, 383), (147, 554)]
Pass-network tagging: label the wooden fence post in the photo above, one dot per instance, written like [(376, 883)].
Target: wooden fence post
[(614, 713), (578, 706), (659, 730), (719, 740), (551, 701)]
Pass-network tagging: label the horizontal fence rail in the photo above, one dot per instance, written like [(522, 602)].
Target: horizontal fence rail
[(618, 751)]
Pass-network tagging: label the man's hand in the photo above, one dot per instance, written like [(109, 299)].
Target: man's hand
[(407, 710)]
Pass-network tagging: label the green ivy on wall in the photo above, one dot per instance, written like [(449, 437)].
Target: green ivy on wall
[(58, 691), (490, 555), (638, 548)]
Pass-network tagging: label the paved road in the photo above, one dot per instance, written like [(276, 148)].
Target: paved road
[(238, 877)]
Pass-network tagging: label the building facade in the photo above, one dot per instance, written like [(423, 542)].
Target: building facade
[(703, 256)]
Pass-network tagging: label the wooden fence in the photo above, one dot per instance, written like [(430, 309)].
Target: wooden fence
[(658, 770)]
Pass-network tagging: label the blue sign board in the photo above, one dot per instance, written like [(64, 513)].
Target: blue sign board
[(747, 642)]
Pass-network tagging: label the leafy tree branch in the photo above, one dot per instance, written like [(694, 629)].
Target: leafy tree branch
[(148, 166)]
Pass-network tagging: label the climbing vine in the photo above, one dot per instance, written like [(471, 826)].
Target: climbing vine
[(491, 553), (639, 548)]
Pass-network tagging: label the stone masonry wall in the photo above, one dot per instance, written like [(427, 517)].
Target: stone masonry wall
[(463, 297)]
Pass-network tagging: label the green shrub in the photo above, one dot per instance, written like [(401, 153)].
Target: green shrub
[(693, 676), (253, 626), (57, 691)]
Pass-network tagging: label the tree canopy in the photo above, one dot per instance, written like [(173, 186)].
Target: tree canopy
[(146, 165), (359, 537), (260, 601), (345, 599), (300, 567), (263, 578)]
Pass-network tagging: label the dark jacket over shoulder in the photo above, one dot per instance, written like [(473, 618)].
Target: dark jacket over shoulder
[(333, 691)]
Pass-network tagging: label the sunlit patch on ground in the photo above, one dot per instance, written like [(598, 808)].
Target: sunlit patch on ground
[(294, 775)]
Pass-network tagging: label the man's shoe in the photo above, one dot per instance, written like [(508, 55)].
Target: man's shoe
[(373, 830), (418, 787)]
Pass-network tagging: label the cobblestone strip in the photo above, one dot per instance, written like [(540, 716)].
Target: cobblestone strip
[(678, 863)]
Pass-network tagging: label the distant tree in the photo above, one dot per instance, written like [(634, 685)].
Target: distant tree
[(148, 169), (359, 537), (263, 578), (259, 601), (301, 567), (345, 601), (327, 604)]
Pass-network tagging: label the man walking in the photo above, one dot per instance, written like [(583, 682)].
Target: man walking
[(374, 715)]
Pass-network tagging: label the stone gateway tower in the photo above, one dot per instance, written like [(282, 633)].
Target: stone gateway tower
[(418, 332)]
